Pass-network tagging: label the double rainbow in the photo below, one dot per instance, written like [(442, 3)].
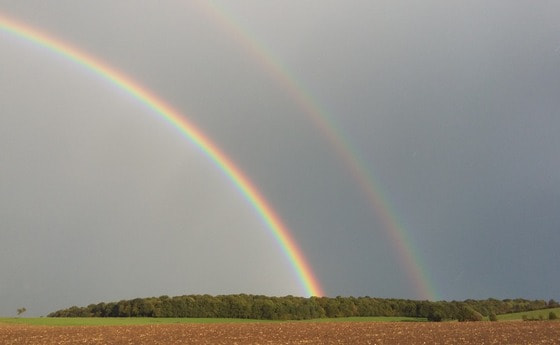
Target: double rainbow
[(408, 259), (280, 232)]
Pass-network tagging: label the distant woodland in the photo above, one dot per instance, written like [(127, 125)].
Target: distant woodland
[(299, 308)]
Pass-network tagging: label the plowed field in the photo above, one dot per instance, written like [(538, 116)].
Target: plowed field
[(290, 333)]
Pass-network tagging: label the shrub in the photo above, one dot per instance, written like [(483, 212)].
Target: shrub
[(435, 316), (552, 316), (466, 313), (492, 317)]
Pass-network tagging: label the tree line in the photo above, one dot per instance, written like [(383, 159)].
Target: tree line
[(244, 306)]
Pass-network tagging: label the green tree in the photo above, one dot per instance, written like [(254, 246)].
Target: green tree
[(436, 312), (492, 317), (21, 311)]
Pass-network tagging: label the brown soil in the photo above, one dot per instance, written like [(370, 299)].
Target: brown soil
[(291, 333)]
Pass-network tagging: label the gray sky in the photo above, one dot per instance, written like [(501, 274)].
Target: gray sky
[(452, 106)]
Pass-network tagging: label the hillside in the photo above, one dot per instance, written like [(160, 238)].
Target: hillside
[(540, 314)]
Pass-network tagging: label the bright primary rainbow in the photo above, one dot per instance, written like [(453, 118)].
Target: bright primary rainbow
[(405, 252), (281, 233)]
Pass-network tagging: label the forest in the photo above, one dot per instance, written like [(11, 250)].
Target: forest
[(244, 306)]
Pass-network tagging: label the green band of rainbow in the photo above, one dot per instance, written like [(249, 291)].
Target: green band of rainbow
[(281, 233)]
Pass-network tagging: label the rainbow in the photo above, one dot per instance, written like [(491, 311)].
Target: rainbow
[(408, 259), (281, 233)]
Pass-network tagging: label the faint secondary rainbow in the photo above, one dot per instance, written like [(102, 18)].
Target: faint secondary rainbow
[(280, 232), (409, 260)]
